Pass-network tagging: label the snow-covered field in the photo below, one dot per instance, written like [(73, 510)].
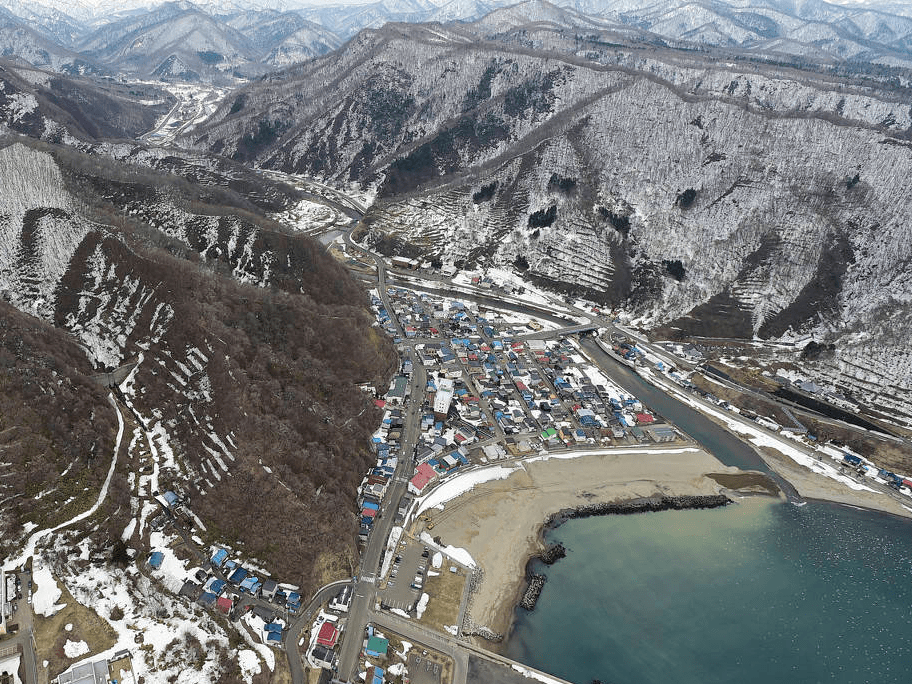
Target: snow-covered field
[(312, 218), (457, 485)]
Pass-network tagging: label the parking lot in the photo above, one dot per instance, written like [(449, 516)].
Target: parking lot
[(399, 592), (423, 670)]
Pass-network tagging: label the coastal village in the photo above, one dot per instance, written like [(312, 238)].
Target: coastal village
[(487, 388)]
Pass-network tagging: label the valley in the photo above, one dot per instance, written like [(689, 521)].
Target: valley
[(318, 322)]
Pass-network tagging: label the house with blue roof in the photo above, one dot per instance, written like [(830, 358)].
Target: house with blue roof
[(294, 601), (219, 557), (156, 559), (274, 638), (237, 576), (274, 627), (250, 584)]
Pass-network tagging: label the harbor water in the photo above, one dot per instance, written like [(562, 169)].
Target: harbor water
[(760, 591)]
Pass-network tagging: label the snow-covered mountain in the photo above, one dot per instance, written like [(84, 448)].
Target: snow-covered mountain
[(782, 195), (310, 40), (176, 33), (57, 108), (227, 41)]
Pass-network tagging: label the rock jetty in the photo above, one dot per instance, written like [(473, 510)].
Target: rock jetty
[(552, 554), (533, 591)]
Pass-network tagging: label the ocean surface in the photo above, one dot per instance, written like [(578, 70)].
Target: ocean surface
[(761, 591)]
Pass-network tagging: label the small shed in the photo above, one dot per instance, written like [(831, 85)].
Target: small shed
[(156, 559), (264, 613), (191, 590), (223, 603)]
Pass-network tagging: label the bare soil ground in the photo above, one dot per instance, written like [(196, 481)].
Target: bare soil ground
[(51, 634)]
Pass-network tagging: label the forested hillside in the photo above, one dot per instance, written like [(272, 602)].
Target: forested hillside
[(248, 343)]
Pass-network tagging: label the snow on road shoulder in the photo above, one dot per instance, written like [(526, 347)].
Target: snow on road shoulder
[(760, 438), (534, 674), (391, 543), (29, 548), (460, 484), (609, 452)]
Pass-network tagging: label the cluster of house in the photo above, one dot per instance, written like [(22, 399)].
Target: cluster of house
[(231, 589), (424, 315), (376, 648), (486, 381), (326, 630), (865, 468), (173, 508), (386, 444)]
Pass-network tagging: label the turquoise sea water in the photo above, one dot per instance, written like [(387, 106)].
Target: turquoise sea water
[(762, 591)]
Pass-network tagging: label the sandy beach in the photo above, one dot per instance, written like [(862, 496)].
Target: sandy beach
[(499, 522)]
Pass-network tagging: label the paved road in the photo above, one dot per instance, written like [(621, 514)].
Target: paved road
[(417, 634), (305, 616), (25, 637)]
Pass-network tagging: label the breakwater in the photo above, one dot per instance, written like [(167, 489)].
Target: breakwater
[(552, 554), (644, 505), (815, 587)]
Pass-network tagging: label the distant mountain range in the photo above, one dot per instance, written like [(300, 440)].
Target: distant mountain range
[(232, 42), (711, 191)]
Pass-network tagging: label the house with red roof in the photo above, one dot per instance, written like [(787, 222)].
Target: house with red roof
[(327, 635), (423, 475)]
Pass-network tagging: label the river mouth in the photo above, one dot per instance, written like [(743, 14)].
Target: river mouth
[(747, 483)]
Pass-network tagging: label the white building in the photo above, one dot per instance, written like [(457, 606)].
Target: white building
[(443, 398)]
